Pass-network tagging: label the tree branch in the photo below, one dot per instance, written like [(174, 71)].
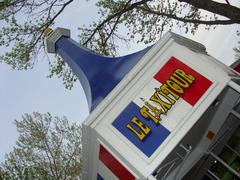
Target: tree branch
[(109, 18), (46, 25), (48, 150), (55, 172), (228, 11), (173, 16), (227, 2), (70, 158), (137, 5), (115, 24)]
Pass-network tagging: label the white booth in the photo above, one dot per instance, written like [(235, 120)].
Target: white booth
[(171, 117)]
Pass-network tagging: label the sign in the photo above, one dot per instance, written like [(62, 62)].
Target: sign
[(160, 106)]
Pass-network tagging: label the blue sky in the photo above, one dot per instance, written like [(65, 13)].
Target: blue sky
[(27, 91)]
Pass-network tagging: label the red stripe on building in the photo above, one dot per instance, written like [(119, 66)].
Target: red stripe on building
[(196, 90), (111, 163), (237, 68)]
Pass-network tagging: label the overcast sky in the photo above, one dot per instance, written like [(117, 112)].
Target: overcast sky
[(27, 91)]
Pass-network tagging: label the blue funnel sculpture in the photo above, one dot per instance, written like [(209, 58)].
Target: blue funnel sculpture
[(98, 74)]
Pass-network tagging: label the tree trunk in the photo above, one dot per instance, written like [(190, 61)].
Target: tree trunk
[(222, 9)]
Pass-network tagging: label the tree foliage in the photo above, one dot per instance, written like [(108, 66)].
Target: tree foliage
[(119, 21), (22, 23), (47, 148), (146, 20)]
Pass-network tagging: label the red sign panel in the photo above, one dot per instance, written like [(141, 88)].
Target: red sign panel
[(197, 89)]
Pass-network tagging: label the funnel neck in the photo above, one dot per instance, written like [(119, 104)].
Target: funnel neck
[(97, 74)]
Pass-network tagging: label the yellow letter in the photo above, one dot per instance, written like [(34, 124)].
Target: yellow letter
[(175, 86), (165, 89), (172, 101), (180, 81), (165, 106), (144, 130), (145, 113), (188, 77)]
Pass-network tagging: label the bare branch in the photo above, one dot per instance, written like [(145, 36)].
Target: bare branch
[(227, 2), (175, 17), (116, 23), (228, 11)]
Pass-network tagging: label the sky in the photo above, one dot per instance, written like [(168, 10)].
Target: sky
[(28, 91)]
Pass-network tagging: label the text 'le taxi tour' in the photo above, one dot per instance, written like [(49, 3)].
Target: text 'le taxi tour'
[(164, 98)]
